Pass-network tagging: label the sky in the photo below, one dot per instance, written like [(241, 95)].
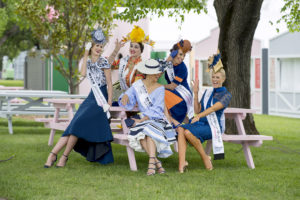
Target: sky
[(197, 27)]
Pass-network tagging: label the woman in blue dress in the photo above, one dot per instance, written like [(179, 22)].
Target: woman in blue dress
[(151, 131), (178, 97), (89, 131), (209, 122)]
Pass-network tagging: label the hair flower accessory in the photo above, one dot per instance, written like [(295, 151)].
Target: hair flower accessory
[(98, 36), (214, 62), (138, 35)]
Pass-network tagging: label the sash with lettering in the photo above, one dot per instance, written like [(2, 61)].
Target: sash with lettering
[(185, 93), (101, 101), (146, 102), (217, 141), (123, 73)]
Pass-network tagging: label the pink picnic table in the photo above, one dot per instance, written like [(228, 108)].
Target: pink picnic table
[(119, 115)]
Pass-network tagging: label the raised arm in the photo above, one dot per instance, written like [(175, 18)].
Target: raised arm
[(85, 58), (118, 46), (197, 104)]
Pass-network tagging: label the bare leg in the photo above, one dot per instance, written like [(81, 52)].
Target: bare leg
[(56, 149), (71, 143), (144, 144), (181, 149), (198, 146), (152, 156)]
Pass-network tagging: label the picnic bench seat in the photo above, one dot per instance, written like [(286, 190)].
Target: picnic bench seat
[(118, 115), (28, 102)]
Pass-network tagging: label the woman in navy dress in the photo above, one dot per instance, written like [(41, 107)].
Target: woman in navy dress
[(178, 96), (89, 132), (211, 106)]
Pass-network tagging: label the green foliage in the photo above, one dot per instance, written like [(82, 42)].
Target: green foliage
[(15, 35), (16, 83), (291, 15), (3, 21), (138, 9), (276, 175)]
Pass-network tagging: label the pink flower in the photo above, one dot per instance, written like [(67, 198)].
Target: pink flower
[(52, 14)]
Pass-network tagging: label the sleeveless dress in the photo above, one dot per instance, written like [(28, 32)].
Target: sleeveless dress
[(90, 123)]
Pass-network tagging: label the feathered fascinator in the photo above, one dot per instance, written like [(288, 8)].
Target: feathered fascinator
[(98, 36), (138, 35), (215, 63)]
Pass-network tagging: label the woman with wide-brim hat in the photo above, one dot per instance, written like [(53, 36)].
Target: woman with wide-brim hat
[(89, 131), (151, 131)]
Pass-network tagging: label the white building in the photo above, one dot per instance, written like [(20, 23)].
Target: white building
[(284, 75)]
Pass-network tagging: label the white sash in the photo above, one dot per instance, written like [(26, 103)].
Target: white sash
[(143, 95), (185, 93), (217, 141), (101, 101), (123, 72)]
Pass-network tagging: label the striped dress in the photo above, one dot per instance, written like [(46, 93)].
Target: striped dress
[(157, 127)]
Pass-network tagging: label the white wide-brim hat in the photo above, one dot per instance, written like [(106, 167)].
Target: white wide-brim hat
[(150, 66)]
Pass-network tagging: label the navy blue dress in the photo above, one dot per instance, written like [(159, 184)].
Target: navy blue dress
[(173, 100), (90, 123), (201, 128)]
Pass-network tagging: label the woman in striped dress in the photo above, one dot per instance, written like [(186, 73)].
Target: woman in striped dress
[(151, 131)]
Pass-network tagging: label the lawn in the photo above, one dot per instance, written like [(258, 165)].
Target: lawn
[(16, 83), (277, 173)]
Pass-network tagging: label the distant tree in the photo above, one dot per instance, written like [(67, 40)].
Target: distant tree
[(15, 35), (63, 27), (291, 15)]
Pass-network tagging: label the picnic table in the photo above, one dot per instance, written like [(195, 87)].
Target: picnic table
[(29, 102), (118, 115)]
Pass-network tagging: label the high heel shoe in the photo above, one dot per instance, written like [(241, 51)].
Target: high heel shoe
[(58, 166), (52, 162), (184, 169), (160, 168), (211, 168), (151, 173)]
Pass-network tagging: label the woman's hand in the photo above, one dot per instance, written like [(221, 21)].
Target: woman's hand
[(119, 44), (136, 121), (195, 85), (195, 119), (125, 100), (88, 47)]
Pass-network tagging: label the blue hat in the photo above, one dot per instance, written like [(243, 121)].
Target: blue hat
[(98, 36)]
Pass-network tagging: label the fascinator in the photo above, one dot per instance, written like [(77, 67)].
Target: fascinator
[(138, 35), (215, 63), (184, 45), (98, 36)]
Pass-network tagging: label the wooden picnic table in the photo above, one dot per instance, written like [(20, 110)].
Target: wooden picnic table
[(30, 102)]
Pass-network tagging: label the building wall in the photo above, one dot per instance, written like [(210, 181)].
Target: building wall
[(285, 45)]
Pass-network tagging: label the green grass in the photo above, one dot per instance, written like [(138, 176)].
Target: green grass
[(16, 83), (277, 173)]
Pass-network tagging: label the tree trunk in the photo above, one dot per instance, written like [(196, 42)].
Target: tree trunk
[(238, 20)]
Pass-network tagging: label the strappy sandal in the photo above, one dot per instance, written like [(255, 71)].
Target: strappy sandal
[(209, 169), (160, 169), (67, 158), (184, 169), (149, 168), (52, 162)]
